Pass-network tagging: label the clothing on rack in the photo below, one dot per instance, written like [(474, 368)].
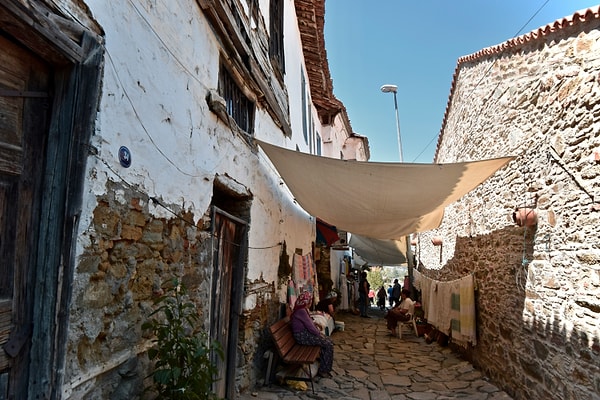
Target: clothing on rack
[(343, 292)]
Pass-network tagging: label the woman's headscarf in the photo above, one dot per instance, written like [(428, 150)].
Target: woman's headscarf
[(303, 300)]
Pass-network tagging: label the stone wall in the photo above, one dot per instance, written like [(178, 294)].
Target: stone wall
[(538, 287), (130, 255)]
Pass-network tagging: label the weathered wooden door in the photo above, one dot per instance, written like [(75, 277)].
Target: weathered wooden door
[(228, 284), (24, 106)]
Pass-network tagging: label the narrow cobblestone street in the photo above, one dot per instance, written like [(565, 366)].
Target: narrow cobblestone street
[(369, 364)]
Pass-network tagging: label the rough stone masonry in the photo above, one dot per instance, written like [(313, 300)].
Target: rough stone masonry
[(538, 288)]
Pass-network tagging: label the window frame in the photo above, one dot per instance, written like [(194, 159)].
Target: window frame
[(238, 106), (276, 44)]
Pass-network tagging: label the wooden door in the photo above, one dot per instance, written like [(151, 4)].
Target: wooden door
[(228, 283), (24, 107)]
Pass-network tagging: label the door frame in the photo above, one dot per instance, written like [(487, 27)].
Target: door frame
[(76, 55), (235, 291)]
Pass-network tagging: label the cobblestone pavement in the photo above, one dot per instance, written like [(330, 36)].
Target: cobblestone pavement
[(369, 364)]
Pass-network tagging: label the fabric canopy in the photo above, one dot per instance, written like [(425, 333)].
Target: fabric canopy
[(326, 234), (378, 251), (377, 200)]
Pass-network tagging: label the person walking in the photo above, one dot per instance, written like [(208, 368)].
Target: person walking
[(395, 293), (381, 296), (363, 291)]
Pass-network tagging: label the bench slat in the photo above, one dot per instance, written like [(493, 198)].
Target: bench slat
[(290, 351), (303, 354)]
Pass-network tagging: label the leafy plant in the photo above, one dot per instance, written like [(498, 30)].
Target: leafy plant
[(182, 352)]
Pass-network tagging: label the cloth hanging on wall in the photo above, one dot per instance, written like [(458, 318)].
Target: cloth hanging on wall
[(326, 234), (440, 297), (305, 276), (336, 260), (463, 319), (450, 306), (291, 294)]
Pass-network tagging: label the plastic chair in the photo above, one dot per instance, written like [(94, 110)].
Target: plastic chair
[(411, 323)]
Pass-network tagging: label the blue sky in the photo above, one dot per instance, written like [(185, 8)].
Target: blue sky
[(415, 45)]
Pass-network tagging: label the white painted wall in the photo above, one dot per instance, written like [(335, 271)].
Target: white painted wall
[(161, 60)]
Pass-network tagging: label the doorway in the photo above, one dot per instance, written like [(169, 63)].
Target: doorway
[(49, 91), (228, 283), (230, 218), (24, 103)]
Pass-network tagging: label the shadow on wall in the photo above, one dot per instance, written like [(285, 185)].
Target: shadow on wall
[(522, 311)]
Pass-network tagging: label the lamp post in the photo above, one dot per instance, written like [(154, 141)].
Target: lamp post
[(394, 89), (409, 254)]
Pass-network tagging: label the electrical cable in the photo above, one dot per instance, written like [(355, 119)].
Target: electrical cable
[(486, 73), (158, 202)]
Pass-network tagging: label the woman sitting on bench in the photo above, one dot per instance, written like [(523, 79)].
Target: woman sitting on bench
[(306, 333)]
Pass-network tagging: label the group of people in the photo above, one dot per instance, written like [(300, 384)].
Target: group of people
[(306, 332)]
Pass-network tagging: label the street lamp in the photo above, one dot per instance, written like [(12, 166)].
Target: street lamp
[(409, 254), (394, 89)]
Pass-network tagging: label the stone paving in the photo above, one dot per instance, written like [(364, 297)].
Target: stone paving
[(369, 364)]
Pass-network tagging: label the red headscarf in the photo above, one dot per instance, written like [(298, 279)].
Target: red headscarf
[(303, 300)]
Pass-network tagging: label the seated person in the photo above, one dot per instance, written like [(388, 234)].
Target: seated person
[(401, 313), (328, 304), (306, 333)]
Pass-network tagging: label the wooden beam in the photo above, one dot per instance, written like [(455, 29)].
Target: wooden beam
[(36, 28)]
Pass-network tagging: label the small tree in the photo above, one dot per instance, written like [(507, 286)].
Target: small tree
[(182, 354), (375, 278)]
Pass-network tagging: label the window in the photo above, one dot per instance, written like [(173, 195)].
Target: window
[(305, 107), (318, 150), (276, 35), (239, 107)]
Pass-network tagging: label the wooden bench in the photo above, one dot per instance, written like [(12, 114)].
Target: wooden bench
[(292, 353)]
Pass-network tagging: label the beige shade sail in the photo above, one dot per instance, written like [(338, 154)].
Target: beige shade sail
[(377, 200), (379, 251)]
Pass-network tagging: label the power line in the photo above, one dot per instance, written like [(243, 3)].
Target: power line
[(488, 71)]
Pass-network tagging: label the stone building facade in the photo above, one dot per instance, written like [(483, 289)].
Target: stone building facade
[(535, 97), (144, 167)]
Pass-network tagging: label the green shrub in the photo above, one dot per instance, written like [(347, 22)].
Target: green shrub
[(182, 353)]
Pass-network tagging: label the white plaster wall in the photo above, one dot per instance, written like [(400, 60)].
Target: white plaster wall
[(294, 65), (335, 137), (161, 60)]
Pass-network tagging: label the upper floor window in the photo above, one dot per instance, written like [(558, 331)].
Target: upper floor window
[(306, 115), (318, 144), (276, 35), (239, 107)]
